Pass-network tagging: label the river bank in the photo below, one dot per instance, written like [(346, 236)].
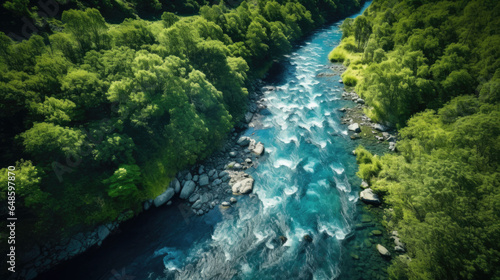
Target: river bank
[(302, 187)]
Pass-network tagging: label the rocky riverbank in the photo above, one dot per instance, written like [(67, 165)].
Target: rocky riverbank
[(370, 247), (217, 181)]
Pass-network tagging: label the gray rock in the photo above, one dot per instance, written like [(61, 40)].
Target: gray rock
[(383, 251), (189, 176), (147, 204), (248, 117), (244, 186), (380, 127), (243, 141), (399, 249), (226, 204), (340, 81), (223, 173), (199, 213), (354, 127), (360, 101), (215, 175), (248, 160), (194, 197), (342, 110), (204, 180), (211, 172), (195, 178), (164, 197), (197, 204), (368, 196), (217, 182), (237, 166), (379, 138), (102, 232), (233, 200), (233, 154), (187, 189), (364, 184), (392, 146), (176, 185), (169, 202), (259, 149), (226, 178), (201, 170)]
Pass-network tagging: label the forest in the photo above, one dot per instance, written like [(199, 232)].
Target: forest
[(97, 116), (431, 69)]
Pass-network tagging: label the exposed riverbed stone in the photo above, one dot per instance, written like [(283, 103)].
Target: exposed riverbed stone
[(187, 189), (164, 197), (243, 141), (204, 180), (383, 251), (259, 149), (368, 196), (354, 127)]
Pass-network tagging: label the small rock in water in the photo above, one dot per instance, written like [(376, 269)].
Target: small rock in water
[(233, 154), (248, 160), (237, 166), (243, 141), (226, 204), (259, 149), (233, 200), (342, 110)]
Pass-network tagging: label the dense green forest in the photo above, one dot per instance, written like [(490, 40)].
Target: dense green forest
[(431, 68), (97, 117)]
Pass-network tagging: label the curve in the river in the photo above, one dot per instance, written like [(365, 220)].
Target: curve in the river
[(301, 188)]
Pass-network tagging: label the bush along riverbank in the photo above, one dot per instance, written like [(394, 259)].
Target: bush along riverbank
[(431, 69)]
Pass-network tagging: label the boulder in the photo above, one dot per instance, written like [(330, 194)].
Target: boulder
[(368, 196), (383, 251), (223, 173), (380, 127), (226, 204), (243, 141), (248, 160), (189, 176), (354, 127), (244, 186), (197, 204), (187, 189), (248, 117), (194, 197), (392, 146), (360, 101), (259, 149), (176, 185), (364, 184), (147, 204), (201, 170), (204, 180), (237, 166), (164, 197), (195, 178)]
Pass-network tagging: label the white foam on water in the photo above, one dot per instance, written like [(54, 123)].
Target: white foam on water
[(291, 190), (284, 162)]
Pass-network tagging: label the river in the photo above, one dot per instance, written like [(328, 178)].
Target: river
[(301, 188)]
